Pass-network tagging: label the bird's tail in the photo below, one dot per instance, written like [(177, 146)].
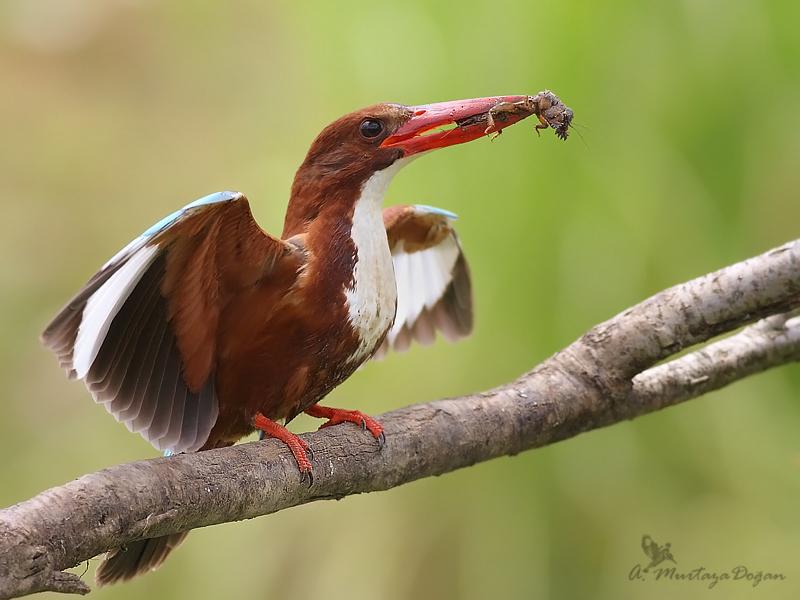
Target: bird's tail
[(121, 564)]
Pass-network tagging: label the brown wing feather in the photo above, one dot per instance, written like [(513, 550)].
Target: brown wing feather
[(209, 260), (154, 366)]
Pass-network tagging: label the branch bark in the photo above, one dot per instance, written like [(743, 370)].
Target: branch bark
[(608, 375)]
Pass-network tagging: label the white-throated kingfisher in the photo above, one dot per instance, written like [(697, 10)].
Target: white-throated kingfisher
[(205, 328)]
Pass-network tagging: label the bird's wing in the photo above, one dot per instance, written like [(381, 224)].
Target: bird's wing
[(649, 546), (434, 290), (142, 332)]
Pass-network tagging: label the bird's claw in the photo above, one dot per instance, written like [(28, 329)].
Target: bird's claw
[(299, 448), (310, 475), (338, 415)]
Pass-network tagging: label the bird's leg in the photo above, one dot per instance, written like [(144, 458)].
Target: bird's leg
[(298, 447), (340, 415)]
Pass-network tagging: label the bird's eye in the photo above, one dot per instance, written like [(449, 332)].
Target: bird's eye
[(371, 128)]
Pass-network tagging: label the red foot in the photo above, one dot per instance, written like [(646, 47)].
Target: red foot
[(298, 447), (340, 415)]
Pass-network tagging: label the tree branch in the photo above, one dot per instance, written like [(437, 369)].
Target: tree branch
[(606, 376)]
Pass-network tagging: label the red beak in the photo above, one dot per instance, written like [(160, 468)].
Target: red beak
[(472, 118)]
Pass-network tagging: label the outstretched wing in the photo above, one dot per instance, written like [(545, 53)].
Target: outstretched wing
[(649, 546), (142, 332), (434, 290)]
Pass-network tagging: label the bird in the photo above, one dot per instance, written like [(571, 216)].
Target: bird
[(656, 553), (205, 328)]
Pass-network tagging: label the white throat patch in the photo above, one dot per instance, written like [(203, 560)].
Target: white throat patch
[(372, 301)]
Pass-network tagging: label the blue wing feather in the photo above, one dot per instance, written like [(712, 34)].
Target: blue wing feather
[(204, 201), (436, 211)]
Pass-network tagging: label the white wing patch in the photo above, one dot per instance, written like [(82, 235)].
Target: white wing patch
[(422, 278), (104, 305), (434, 288)]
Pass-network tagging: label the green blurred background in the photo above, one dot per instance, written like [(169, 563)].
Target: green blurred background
[(114, 113)]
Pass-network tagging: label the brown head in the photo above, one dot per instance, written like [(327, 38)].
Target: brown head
[(353, 148)]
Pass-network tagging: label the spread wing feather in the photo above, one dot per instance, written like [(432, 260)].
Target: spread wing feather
[(434, 289), (142, 332)]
